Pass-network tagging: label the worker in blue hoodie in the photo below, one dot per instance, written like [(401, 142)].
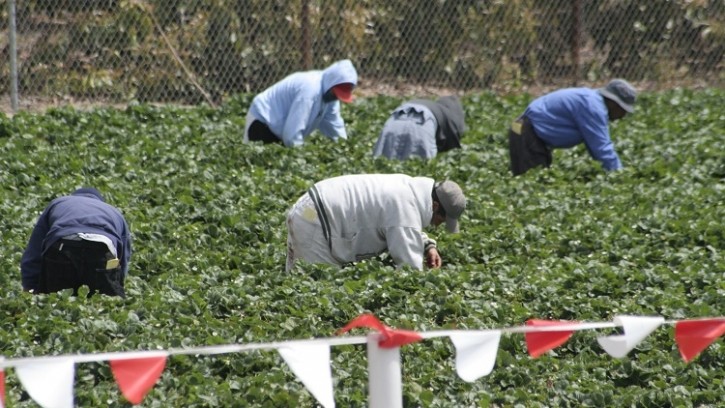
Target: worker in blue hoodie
[(78, 240), (294, 107)]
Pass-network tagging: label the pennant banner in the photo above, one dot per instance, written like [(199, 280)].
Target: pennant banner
[(636, 328), (2, 388), (539, 342), (391, 338), (136, 376), (693, 336), (475, 353), (310, 362), (49, 379), (50, 384)]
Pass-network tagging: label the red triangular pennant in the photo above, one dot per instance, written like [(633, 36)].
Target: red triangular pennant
[(391, 338), (136, 376), (364, 320), (693, 336), (397, 338), (538, 343)]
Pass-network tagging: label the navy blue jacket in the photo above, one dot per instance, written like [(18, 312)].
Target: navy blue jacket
[(82, 212)]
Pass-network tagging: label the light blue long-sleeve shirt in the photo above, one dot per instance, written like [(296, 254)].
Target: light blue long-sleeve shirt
[(567, 117), (294, 107)]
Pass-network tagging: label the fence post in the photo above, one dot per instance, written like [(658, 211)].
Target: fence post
[(575, 33), (13, 58), (385, 384), (306, 52)]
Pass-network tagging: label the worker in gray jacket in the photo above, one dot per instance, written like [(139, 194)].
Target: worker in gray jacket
[(350, 218), (422, 128)]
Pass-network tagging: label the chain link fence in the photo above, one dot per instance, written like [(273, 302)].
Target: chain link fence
[(193, 51)]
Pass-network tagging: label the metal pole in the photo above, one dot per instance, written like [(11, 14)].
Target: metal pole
[(13, 58), (385, 381), (306, 47), (575, 34)]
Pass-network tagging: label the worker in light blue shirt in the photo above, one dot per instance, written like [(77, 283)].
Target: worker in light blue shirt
[(566, 118), (294, 107)]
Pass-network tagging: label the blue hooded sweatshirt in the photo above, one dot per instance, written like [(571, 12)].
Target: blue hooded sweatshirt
[(84, 211), (294, 107)]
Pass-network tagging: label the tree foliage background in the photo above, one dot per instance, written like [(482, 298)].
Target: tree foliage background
[(113, 49)]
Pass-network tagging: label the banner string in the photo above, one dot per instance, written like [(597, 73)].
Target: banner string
[(331, 341)]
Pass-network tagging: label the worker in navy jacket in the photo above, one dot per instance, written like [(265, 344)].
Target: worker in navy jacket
[(78, 240)]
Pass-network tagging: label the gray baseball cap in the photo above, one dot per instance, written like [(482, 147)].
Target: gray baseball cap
[(453, 201), (621, 92)]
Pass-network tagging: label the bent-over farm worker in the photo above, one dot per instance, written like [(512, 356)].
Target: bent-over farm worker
[(350, 218), (78, 240), (568, 117), (294, 107), (422, 128)]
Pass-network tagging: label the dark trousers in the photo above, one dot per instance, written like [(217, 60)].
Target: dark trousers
[(526, 149), (259, 132), (70, 264)]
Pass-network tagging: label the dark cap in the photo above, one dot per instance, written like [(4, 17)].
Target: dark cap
[(621, 92), (453, 201)]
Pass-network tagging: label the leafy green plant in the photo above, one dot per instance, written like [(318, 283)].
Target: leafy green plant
[(208, 211)]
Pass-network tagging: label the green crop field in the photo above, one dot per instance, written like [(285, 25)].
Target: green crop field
[(207, 214)]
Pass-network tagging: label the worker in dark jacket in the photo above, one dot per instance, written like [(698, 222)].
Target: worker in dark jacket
[(78, 240), (422, 128)]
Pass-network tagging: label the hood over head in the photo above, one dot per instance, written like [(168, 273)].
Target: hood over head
[(89, 192), (341, 72)]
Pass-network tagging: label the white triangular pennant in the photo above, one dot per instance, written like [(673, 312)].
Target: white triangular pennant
[(50, 384), (635, 328), (475, 353), (310, 362)]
